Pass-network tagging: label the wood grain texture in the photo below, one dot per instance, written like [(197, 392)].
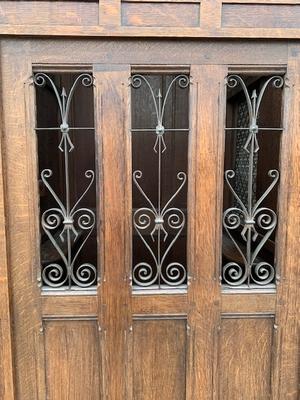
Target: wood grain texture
[(73, 360), (160, 14), (245, 349), (260, 303), (114, 294), (6, 366), (65, 13), (261, 16), (287, 374), (204, 290), (110, 13), (82, 305), (159, 353), (138, 52), (21, 233), (159, 305)]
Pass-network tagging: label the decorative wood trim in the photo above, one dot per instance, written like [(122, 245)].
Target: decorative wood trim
[(158, 32)]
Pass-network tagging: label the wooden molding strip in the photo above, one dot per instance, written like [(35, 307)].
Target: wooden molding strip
[(158, 32)]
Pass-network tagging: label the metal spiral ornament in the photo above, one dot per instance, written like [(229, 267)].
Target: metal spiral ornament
[(245, 218), (65, 223), (160, 220)]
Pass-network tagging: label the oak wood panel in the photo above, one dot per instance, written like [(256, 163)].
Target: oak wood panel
[(112, 93), (21, 228), (159, 351), (249, 303), (260, 303), (160, 304), (148, 53), (72, 360), (286, 379), (204, 291), (48, 13), (245, 350), (211, 14), (261, 16), (160, 14), (110, 12), (79, 305), (149, 32), (6, 371)]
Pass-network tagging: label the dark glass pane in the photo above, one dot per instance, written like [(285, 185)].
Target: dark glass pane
[(159, 165), (252, 150), (66, 180)]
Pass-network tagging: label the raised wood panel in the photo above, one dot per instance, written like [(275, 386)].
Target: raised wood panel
[(245, 356), (253, 303), (160, 14), (261, 16), (159, 353), (160, 305), (73, 360), (48, 13), (79, 305)]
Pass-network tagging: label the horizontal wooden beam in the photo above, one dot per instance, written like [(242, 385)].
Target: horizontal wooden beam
[(158, 32)]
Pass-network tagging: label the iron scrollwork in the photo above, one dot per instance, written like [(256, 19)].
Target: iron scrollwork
[(159, 219), (64, 223), (246, 218)]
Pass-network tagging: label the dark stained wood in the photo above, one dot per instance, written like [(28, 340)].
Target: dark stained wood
[(73, 360), (159, 353), (245, 350), (74, 13), (160, 14), (261, 16)]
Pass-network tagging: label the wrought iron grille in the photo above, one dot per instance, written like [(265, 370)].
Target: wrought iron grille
[(68, 224), (159, 222), (249, 223)]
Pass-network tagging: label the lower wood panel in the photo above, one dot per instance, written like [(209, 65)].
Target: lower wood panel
[(245, 350), (159, 353), (72, 360)]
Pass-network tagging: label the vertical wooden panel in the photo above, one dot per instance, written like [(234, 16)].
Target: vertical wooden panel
[(204, 289), (286, 377), (6, 376), (211, 11), (245, 350), (110, 12), (21, 224), (112, 125), (72, 360), (159, 351)]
